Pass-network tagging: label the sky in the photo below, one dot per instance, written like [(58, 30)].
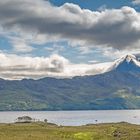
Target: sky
[(65, 38)]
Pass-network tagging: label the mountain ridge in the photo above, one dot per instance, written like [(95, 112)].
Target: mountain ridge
[(115, 89)]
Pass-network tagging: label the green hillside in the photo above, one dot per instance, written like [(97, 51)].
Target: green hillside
[(112, 90)]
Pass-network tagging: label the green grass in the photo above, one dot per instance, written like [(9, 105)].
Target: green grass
[(42, 131)]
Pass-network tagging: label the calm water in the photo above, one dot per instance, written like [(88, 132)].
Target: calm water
[(75, 118)]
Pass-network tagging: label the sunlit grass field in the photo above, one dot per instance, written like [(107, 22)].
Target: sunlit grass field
[(44, 131)]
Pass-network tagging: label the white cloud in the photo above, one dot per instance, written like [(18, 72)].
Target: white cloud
[(43, 22), (93, 61), (19, 67)]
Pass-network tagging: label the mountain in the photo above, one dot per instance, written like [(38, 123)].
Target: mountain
[(117, 88), (128, 63)]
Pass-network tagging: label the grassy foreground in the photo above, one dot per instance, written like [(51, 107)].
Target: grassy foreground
[(42, 131)]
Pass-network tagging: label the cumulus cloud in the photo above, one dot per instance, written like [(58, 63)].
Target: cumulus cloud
[(19, 67), (117, 28)]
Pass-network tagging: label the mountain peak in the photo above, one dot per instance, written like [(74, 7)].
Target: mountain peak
[(126, 63), (129, 57)]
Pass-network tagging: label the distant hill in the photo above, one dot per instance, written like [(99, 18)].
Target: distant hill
[(117, 88)]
